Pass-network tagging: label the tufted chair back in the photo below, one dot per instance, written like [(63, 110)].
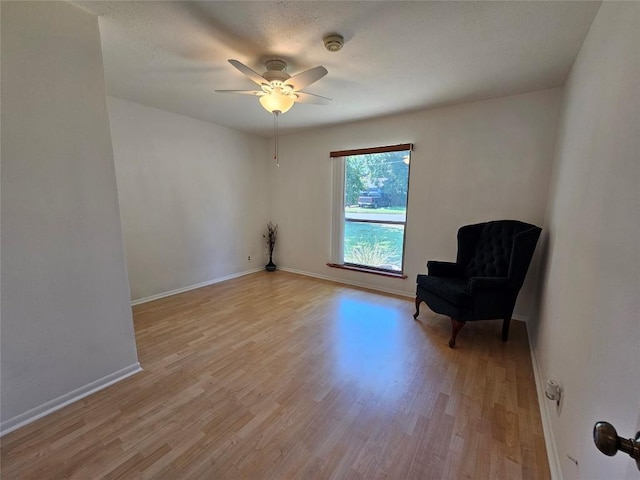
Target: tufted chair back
[(493, 251), (490, 249)]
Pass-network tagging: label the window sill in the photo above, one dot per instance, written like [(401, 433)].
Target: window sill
[(367, 270)]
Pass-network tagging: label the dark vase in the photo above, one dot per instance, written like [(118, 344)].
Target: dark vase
[(271, 267)]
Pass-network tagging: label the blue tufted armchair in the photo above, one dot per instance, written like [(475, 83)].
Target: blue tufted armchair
[(484, 282)]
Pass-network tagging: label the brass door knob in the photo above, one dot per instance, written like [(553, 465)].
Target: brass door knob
[(608, 442)]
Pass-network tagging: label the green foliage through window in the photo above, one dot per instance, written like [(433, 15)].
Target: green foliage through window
[(388, 171)]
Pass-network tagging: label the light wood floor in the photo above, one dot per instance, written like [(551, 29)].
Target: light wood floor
[(280, 376)]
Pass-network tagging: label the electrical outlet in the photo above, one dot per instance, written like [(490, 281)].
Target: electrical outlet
[(249, 258)]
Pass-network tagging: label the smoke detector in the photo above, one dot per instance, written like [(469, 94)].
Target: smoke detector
[(333, 42)]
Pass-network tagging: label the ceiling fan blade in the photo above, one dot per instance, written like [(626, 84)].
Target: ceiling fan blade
[(306, 78), (244, 92), (304, 97), (254, 76)]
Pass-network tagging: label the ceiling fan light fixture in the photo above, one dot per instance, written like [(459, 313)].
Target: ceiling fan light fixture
[(276, 101)]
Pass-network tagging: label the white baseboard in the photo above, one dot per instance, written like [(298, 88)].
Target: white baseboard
[(193, 287), (549, 439), (522, 318), (401, 293), (66, 399)]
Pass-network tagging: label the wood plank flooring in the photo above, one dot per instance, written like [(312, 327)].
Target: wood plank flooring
[(281, 376)]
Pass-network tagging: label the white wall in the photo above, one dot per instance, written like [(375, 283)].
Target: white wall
[(588, 331), (193, 198), (471, 163), (66, 320)]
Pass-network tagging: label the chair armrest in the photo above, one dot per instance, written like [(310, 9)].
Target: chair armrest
[(444, 269), (488, 283)]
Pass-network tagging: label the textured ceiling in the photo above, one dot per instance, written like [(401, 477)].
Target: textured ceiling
[(398, 56)]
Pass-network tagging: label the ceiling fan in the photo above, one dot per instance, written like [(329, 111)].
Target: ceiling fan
[(279, 90)]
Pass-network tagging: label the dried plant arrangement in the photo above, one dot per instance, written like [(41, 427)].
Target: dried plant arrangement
[(271, 237)]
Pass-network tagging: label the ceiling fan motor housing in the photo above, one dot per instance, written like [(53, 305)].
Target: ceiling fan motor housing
[(276, 70)]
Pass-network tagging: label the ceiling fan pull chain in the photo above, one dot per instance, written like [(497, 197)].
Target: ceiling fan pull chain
[(275, 135)]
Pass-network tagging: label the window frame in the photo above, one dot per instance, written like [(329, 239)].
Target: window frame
[(338, 211)]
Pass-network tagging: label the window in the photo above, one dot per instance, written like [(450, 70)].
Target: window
[(371, 189)]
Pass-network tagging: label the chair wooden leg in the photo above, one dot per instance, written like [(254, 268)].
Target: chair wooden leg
[(456, 326), (505, 329), (418, 302)]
